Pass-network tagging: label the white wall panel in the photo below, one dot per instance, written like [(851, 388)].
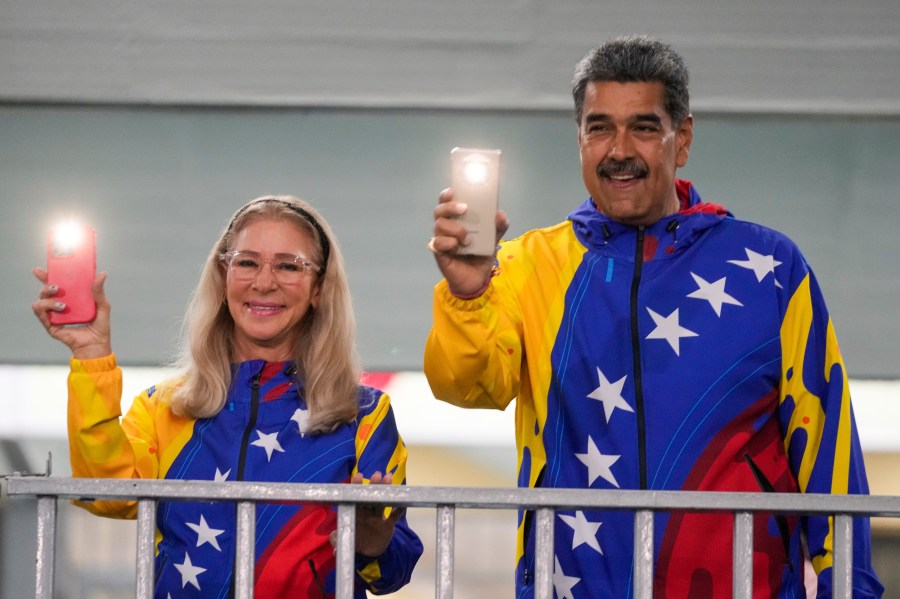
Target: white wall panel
[(770, 56), (422, 419)]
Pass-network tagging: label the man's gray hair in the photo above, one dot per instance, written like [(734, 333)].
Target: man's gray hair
[(630, 59)]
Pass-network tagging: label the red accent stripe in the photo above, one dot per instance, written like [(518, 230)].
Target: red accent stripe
[(270, 371), (378, 380)]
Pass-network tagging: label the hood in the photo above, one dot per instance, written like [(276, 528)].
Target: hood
[(668, 236)]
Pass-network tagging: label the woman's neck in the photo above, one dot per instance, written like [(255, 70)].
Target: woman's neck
[(278, 350)]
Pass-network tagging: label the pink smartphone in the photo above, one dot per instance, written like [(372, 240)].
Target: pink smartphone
[(71, 266)]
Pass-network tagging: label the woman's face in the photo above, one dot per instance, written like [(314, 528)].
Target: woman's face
[(267, 306)]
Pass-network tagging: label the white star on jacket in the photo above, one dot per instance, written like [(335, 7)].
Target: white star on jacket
[(598, 464), (189, 572), (584, 532), (221, 478), (714, 293), (611, 395), (268, 441), (563, 584), (301, 417), (205, 534), (759, 264), (668, 328)]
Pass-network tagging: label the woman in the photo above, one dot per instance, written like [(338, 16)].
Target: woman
[(268, 391)]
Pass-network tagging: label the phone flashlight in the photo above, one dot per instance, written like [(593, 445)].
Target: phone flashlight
[(475, 178), (67, 237), (475, 169)]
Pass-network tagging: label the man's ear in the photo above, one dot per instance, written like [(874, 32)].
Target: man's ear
[(683, 138)]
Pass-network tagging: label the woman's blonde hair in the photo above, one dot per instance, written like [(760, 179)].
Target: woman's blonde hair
[(325, 355)]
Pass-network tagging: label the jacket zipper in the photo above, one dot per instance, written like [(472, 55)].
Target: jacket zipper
[(242, 457), (251, 424), (636, 359)]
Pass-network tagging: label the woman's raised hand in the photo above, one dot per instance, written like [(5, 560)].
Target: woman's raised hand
[(87, 341)]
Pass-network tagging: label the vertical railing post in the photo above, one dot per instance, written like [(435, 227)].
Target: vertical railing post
[(245, 550), (842, 564), (46, 546), (544, 554), (643, 554), (146, 539), (443, 581), (742, 556), (346, 550)]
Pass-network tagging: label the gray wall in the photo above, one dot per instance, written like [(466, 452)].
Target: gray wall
[(159, 184), (155, 120), (766, 55)]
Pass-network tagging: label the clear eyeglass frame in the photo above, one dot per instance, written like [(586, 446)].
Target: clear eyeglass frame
[(287, 269)]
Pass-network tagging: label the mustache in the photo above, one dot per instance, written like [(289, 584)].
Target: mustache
[(628, 167)]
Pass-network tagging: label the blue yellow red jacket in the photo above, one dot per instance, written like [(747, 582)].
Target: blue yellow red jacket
[(258, 436), (696, 354)]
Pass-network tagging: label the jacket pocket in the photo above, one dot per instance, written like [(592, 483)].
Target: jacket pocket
[(780, 519)]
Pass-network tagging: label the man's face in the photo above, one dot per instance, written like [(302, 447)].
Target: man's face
[(630, 149)]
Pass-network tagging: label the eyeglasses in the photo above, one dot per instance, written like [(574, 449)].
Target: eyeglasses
[(287, 269)]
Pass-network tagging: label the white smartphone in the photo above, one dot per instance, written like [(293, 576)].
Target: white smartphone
[(475, 178)]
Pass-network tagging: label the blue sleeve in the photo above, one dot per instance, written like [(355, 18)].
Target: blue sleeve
[(379, 448), (821, 438)]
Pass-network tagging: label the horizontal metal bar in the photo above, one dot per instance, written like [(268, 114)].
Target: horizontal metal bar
[(461, 497)]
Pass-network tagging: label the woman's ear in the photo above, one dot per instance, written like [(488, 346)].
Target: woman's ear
[(315, 295)]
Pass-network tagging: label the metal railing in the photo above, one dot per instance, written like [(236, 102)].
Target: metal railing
[(445, 500)]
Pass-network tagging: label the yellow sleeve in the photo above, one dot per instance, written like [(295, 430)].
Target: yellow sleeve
[(98, 444), (474, 352)]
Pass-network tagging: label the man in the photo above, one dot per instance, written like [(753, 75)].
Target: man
[(652, 341)]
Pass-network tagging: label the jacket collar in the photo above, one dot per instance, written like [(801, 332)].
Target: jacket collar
[(273, 378), (666, 237)]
